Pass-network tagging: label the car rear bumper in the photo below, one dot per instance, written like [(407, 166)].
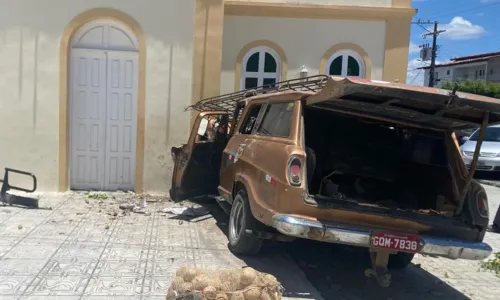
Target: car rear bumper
[(314, 230)]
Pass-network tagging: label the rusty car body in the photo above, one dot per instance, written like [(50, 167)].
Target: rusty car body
[(343, 160)]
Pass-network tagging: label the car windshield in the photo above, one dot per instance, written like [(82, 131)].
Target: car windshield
[(492, 135)]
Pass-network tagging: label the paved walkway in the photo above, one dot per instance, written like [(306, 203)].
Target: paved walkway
[(79, 249)]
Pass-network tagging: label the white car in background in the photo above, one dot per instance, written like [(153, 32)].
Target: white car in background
[(489, 154)]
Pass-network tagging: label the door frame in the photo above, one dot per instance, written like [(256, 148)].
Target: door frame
[(183, 154), (64, 82)]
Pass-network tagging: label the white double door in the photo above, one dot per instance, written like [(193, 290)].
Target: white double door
[(103, 119)]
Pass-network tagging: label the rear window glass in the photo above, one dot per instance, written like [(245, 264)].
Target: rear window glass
[(492, 134), (277, 120)]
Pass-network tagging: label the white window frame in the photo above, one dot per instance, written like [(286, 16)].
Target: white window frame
[(345, 56), (260, 74)]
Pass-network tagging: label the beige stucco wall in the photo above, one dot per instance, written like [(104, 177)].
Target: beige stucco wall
[(304, 42), (378, 3), (30, 34)]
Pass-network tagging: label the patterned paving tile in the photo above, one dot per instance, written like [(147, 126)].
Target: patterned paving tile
[(21, 266), (13, 285), (28, 249), (120, 268), (77, 251), (4, 249), (80, 250), (71, 266), (8, 240), (157, 286), (112, 286), (123, 251), (49, 285)]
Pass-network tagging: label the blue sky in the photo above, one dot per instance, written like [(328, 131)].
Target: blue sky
[(472, 27)]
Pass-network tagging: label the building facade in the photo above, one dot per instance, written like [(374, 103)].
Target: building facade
[(474, 67), (92, 93)]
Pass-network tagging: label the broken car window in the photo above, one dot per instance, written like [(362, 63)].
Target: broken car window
[(250, 119), (277, 120)]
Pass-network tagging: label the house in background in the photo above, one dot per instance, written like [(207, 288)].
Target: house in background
[(474, 67), (92, 93)]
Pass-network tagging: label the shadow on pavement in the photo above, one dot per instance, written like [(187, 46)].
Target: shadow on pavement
[(274, 260), (338, 273)]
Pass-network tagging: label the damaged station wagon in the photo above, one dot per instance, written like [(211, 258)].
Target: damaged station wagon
[(342, 160)]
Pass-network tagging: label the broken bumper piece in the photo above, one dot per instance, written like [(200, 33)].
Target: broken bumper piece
[(314, 230)]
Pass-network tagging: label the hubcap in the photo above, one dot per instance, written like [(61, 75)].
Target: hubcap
[(236, 221)]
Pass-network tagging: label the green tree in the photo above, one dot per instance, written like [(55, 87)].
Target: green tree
[(479, 87)]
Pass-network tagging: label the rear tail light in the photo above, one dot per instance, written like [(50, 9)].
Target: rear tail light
[(295, 171), (482, 204)]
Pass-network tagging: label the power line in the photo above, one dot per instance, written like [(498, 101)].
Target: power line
[(415, 77), (422, 27), (419, 72)]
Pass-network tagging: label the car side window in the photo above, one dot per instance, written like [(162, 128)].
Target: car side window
[(251, 117), (277, 120)]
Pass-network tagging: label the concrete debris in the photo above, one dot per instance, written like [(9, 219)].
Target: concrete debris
[(186, 211), (118, 205), (127, 206)]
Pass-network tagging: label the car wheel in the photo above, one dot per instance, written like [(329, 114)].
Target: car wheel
[(240, 220), (400, 261)]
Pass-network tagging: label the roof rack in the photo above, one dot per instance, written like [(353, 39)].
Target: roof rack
[(228, 102)]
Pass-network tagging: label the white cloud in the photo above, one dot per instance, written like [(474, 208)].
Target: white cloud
[(414, 48), (461, 29), (414, 75)]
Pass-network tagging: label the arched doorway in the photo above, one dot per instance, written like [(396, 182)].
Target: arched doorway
[(103, 91)]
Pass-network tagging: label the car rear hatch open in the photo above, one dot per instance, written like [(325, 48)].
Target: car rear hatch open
[(413, 106)]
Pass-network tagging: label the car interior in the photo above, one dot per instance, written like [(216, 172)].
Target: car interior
[(375, 163)]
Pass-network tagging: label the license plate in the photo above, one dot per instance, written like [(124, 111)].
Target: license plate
[(480, 163), (395, 241)]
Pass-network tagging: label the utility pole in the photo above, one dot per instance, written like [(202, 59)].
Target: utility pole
[(434, 34)]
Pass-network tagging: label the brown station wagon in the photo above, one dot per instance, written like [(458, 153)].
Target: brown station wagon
[(342, 160)]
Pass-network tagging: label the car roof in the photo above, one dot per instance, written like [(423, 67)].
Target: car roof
[(416, 106)]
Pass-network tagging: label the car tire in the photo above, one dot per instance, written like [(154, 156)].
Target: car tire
[(241, 220), (400, 261)]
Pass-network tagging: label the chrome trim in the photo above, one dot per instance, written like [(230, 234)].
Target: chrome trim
[(315, 230)]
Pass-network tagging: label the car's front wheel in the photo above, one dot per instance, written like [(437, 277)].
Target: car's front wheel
[(241, 220)]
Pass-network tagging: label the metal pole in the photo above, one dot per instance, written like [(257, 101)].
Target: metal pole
[(473, 164), (433, 54)]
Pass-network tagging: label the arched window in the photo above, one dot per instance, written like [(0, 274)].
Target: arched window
[(260, 66), (346, 63)]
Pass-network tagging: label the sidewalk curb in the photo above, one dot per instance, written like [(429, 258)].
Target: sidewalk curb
[(489, 182)]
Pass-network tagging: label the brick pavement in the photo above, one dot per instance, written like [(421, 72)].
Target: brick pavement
[(463, 275), (337, 272), (77, 251)]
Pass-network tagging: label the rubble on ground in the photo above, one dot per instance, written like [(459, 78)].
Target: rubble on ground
[(126, 203)]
